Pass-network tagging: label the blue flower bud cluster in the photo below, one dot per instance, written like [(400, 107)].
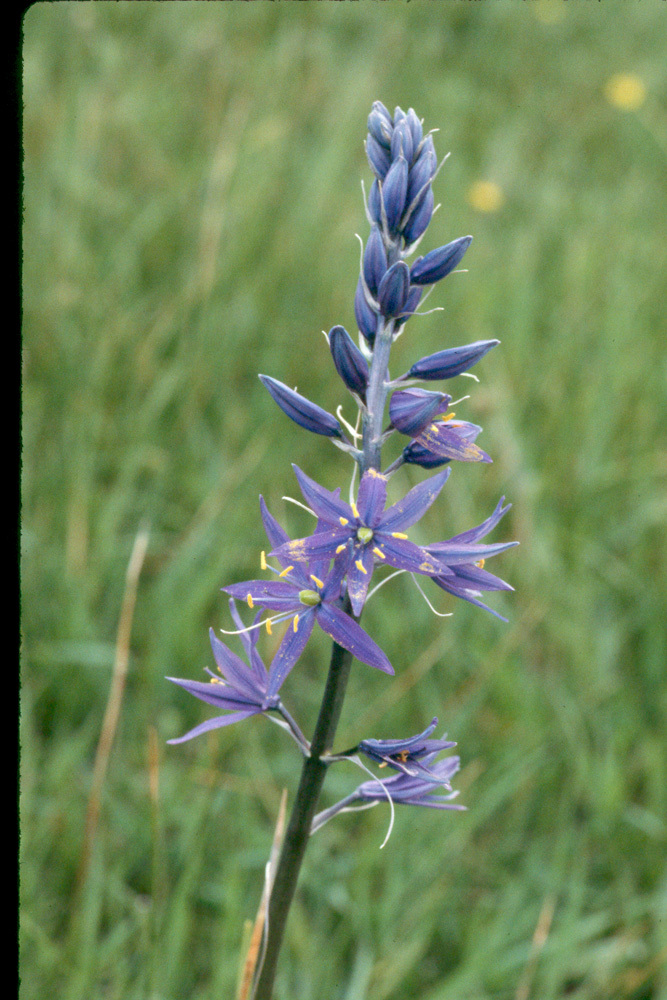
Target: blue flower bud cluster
[(323, 581)]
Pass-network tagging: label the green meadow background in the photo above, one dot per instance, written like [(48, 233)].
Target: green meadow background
[(192, 190)]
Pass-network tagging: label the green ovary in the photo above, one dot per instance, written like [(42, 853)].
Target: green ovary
[(310, 598), (365, 535)]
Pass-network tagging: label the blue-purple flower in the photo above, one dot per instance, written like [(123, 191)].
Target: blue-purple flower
[(241, 689), (361, 535), (465, 559), (437, 437), (407, 755), (403, 788), (306, 593), (415, 790), (442, 441)]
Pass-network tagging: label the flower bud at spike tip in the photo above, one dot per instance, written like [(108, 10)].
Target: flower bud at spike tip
[(439, 263), (423, 169), (415, 128), (378, 157), (447, 364), (350, 363), (380, 124), (401, 141), (394, 190), (394, 289), (301, 410), (375, 261)]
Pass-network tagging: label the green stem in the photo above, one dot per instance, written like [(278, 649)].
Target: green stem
[(305, 804)]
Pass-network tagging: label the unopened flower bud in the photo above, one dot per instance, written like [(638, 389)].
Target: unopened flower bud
[(422, 170), (401, 141), (439, 263), (350, 363), (378, 157), (375, 261), (394, 288), (394, 190), (415, 128), (380, 124), (366, 317), (301, 410), (453, 361), (411, 410), (375, 203), (419, 217), (411, 304)]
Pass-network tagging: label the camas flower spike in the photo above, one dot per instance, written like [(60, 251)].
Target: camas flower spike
[(323, 578)]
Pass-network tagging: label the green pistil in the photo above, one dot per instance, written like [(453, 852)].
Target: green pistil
[(364, 535), (310, 598)]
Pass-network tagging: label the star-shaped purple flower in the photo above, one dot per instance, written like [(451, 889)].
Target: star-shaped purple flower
[(465, 560), (361, 535), (242, 689), (307, 593)]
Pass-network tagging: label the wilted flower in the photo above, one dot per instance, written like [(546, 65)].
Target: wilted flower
[(407, 755), (443, 440), (402, 789)]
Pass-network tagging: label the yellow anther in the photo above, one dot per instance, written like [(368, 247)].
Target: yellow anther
[(295, 622), (318, 582), (343, 521), (446, 416), (360, 566), (341, 548), (288, 569), (402, 756), (269, 627), (398, 534), (216, 680), (250, 601), (379, 553), (480, 563), (262, 560), (354, 509)]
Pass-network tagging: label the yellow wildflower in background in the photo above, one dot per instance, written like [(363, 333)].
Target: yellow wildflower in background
[(486, 196), (626, 91)]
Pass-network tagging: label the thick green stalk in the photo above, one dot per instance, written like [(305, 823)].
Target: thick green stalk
[(303, 811)]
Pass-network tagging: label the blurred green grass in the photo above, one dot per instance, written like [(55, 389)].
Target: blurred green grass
[(192, 190)]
